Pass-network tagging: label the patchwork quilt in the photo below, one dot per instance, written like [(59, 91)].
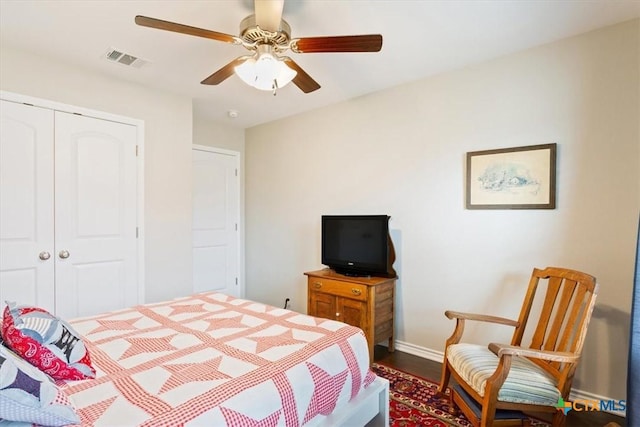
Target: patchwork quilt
[(211, 359)]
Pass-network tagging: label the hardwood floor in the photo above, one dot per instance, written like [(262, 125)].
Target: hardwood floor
[(431, 370)]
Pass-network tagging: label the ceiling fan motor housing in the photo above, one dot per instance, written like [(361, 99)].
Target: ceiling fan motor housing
[(251, 33)]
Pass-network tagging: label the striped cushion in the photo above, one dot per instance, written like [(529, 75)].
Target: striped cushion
[(526, 382)]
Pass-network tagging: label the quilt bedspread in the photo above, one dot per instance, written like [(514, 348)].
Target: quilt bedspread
[(211, 359)]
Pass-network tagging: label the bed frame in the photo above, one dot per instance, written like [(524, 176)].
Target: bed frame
[(369, 408)]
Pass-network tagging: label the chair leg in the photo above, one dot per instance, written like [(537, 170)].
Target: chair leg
[(446, 375), (453, 405), (488, 415), (442, 389), (559, 419)]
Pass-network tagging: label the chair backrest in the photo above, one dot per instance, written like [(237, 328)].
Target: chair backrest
[(563, 318)]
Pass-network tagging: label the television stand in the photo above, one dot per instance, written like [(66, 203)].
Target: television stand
[(364, 302)]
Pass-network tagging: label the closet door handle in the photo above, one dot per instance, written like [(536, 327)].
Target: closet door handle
[(44, 255), (64, 254)]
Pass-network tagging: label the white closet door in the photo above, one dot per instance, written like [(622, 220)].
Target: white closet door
[(26, 205), (95, 211), (216, 195)]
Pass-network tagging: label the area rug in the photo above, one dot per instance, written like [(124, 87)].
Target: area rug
[(413, 401)]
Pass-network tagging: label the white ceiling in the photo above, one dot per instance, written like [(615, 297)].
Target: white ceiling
[(421, 38)]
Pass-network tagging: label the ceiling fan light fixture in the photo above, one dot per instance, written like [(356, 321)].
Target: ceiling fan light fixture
[(265, 71)]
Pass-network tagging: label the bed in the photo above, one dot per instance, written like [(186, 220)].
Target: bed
[(215, 360)]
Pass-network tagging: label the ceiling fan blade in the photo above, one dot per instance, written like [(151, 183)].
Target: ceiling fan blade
[(269, 14), (159, 24), (362, 43), (302, 79), (224, 73)]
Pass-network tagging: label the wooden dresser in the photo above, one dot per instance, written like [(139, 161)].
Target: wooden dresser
[(365, 302)]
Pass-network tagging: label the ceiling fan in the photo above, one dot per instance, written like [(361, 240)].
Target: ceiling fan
[(266, 35)]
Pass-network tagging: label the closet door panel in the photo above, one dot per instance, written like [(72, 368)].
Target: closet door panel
[(96, 247), (26, 205)]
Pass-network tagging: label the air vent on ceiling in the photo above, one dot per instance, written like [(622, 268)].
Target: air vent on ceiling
[(115, 55)]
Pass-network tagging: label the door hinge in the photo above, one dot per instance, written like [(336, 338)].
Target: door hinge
[(236, 172), (136, 232), (236, 281), (236, 226), (136, 151)]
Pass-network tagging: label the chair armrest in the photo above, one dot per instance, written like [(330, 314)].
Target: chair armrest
[(481, 318), (554, 356), (461, 317)]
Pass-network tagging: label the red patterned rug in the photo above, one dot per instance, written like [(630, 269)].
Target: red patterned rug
[(413, 402)]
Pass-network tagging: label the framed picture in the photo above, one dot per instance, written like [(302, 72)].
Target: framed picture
[(512, 178)]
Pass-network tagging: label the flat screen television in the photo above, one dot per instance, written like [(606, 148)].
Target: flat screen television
[(357, 245)]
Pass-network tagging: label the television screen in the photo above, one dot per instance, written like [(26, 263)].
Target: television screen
[(356, 244)]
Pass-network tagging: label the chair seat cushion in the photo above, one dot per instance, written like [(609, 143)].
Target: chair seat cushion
[(526, 382)]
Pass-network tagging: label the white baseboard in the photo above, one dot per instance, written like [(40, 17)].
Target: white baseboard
[(425, 353), (438, 356)]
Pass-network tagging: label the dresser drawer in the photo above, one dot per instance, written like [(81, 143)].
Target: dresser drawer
[(338, 288)]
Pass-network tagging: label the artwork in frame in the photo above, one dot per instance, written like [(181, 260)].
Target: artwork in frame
[(512, 178)]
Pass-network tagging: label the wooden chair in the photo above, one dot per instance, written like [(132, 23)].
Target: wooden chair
[(499, 378)]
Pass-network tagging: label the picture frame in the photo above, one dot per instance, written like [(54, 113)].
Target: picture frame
[(512, 178)]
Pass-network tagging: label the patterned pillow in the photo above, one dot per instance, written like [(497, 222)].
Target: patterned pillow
[(27, 395), (47, 342)]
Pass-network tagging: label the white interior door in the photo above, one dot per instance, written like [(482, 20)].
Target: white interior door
[(216, 215), (95, 211), (26, 205)]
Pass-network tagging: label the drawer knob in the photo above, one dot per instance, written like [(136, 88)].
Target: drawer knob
[(356, 291), (337, 314), (317, 285)]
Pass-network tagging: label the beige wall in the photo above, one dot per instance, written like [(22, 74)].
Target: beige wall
[(402, 151), (167, 168), (206, 132)]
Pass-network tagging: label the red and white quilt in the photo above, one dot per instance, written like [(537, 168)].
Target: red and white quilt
[(211, 359)]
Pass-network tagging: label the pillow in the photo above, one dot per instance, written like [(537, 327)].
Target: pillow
[(7, 423), (47, 342), (27, 395)]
